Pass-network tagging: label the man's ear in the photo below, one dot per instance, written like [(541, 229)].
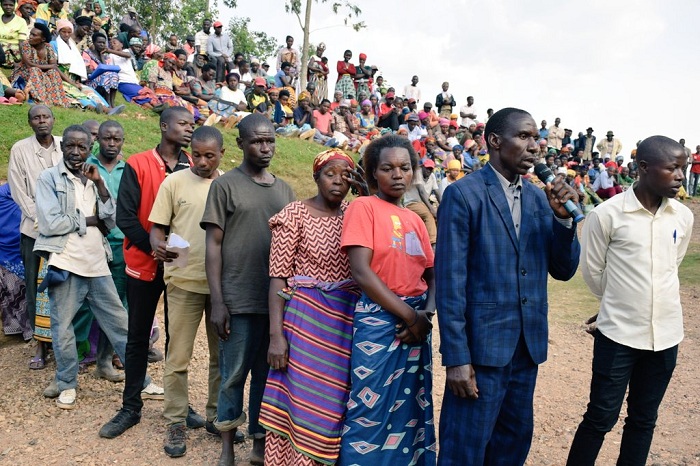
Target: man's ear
[(494, 141), (642, 165)]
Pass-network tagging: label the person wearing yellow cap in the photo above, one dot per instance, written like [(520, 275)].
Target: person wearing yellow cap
[(453, 173)]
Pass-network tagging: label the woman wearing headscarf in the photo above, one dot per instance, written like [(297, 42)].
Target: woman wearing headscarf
[(160, 81), (153, 55), (346, 74), (363, 73), (101, 20), (26, 9), (81, 33), (318, 73), (312, 299), (13, 30), (72, 69), (37, 73)]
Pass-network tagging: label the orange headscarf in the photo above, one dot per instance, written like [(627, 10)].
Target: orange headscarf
[(322, 159)]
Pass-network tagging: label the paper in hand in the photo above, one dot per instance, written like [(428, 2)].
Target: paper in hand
[(179, 245)]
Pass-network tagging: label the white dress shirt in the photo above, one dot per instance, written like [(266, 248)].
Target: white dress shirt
[(630, 259), (27, 160), (468, 109)]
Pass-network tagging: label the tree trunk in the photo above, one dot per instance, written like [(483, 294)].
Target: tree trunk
[(305, 47), (154, 22)]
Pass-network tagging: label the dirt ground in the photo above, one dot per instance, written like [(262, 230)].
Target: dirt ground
[(34, 431)]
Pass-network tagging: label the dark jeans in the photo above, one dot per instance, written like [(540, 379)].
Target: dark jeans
[(31, 274), (693, 184), (221, 68), (614, 367), (143, 299), (243, 353)]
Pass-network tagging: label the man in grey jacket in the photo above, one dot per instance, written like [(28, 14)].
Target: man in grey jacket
[(75, 212)]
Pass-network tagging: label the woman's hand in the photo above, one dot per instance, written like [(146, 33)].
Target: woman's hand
[(357, 181), (417, 330), (278, 352)]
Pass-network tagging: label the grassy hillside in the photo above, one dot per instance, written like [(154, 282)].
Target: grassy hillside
[(292, 162)]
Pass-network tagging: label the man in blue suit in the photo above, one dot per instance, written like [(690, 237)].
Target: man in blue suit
[(498, 238)]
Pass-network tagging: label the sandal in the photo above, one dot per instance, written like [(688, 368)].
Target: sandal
[(116, 362), (37, 363)]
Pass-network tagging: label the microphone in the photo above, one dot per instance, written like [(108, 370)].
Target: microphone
[(546, 176)]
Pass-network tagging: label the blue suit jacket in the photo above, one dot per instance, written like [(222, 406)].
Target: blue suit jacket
[(492, 285)]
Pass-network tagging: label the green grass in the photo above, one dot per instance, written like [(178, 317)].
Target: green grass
[(689, 270), (571, 301), (292, 162)]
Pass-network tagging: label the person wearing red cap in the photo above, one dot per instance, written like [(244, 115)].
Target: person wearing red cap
[(363, 73), (220, 50), (388, 113), (258, 101)]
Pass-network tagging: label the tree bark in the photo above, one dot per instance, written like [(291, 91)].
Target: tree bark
[(305, 46)]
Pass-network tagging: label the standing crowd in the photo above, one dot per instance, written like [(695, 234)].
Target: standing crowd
[(326, 306)]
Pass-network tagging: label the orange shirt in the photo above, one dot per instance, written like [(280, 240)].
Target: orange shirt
[(398, 239)]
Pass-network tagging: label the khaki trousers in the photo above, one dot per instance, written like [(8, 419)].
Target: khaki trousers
[(185, 311)]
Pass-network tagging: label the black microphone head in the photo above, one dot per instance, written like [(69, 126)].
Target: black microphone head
[(543, 172)]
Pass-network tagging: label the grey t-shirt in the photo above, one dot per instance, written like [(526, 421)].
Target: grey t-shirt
[(242, 207)]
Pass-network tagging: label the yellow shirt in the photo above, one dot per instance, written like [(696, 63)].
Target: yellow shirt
[(45, 15), (180, 205), (14, 31), (629, 260)]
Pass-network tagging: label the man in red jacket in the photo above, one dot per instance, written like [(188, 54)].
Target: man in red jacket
[(143, 175)]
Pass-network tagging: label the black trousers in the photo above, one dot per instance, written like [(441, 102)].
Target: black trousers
[(142, 297), (615, 367)]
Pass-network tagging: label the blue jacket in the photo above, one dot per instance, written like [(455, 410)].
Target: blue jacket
[(492, 284), (57, 215)]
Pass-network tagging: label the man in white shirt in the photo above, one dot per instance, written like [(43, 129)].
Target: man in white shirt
[(555, 135), (201, 38), (604, 185), (468, 113), (412, 91), (413, 128), (28, 158), (632, 246)]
